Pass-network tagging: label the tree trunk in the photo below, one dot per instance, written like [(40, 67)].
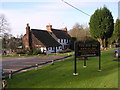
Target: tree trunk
[(101, 42), (105, 43)]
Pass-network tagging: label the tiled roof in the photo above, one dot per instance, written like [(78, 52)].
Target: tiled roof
[(60, 34), (45, 38)]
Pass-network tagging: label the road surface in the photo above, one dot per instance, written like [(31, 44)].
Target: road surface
[(16, 63)]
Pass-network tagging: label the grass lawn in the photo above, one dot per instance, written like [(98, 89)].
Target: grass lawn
[(60, 54), (60, 75)]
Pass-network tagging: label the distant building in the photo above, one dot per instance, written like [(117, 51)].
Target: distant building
[(48, 41)]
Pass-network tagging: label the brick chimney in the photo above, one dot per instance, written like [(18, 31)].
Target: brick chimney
[(65, 29), (28, 37), (27, 29), (49, 27)]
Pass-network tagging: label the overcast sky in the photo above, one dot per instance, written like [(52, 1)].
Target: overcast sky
[(39, 13)]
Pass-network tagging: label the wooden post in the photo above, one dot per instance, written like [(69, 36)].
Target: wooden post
[(85, 58), (4, 84), (10, 74), (75, 64), (36, 66), (52, 62), (99, 69)]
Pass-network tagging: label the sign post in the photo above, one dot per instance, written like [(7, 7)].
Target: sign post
[(86, 49), (85, 58), (99, 63), (75, 64)]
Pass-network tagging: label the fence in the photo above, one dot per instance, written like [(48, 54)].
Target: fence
[(11, 73)]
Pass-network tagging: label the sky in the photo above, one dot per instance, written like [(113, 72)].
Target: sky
[(39, 13)]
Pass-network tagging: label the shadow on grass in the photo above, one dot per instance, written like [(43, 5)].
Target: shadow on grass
[(117, 59)]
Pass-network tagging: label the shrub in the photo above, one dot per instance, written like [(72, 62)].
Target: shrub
[(29, 52), (65, 51), (21, 52), (36, 52)]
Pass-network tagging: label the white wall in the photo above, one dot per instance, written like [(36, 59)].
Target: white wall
[(50, 50), (42, 49)]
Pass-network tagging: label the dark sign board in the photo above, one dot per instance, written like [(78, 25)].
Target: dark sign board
[(87, 49)]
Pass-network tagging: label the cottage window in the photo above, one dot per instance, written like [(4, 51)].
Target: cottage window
[(60, 40), (49, 48), (66, 40), (63, 40), (60, 47), (52, 48)]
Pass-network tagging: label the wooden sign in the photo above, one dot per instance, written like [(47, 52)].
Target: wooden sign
[(87, 49)]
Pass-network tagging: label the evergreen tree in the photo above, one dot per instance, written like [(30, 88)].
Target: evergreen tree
[(101, 25), (117, 29)]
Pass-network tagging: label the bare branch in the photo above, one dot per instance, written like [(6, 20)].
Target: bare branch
[(4, 25)]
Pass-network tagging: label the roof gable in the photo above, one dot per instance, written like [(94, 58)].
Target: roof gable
[(60, 34)]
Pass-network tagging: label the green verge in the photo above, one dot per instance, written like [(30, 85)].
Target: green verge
[(60, 75), (61, 54)]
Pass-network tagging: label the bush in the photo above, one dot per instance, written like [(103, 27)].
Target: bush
[(20, 52), (36, 52), (65, 51), (29, 52)]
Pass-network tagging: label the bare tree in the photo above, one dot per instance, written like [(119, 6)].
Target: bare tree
[(79, 32), (4, 25)]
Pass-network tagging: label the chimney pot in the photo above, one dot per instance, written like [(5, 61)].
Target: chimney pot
[(65, 29), (49, 27), (27, 27)]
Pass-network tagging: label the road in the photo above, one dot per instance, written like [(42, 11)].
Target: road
[(16, 63)]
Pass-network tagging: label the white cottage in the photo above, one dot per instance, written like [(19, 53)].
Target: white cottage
[(48, 41)]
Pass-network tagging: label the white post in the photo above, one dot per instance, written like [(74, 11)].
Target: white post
[(10, 75), (36, 66), (52, 62)]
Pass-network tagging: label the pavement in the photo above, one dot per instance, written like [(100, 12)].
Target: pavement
[(17, 63)]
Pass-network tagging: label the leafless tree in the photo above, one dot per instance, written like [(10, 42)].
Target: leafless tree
[(4, 25), (79, 31)]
